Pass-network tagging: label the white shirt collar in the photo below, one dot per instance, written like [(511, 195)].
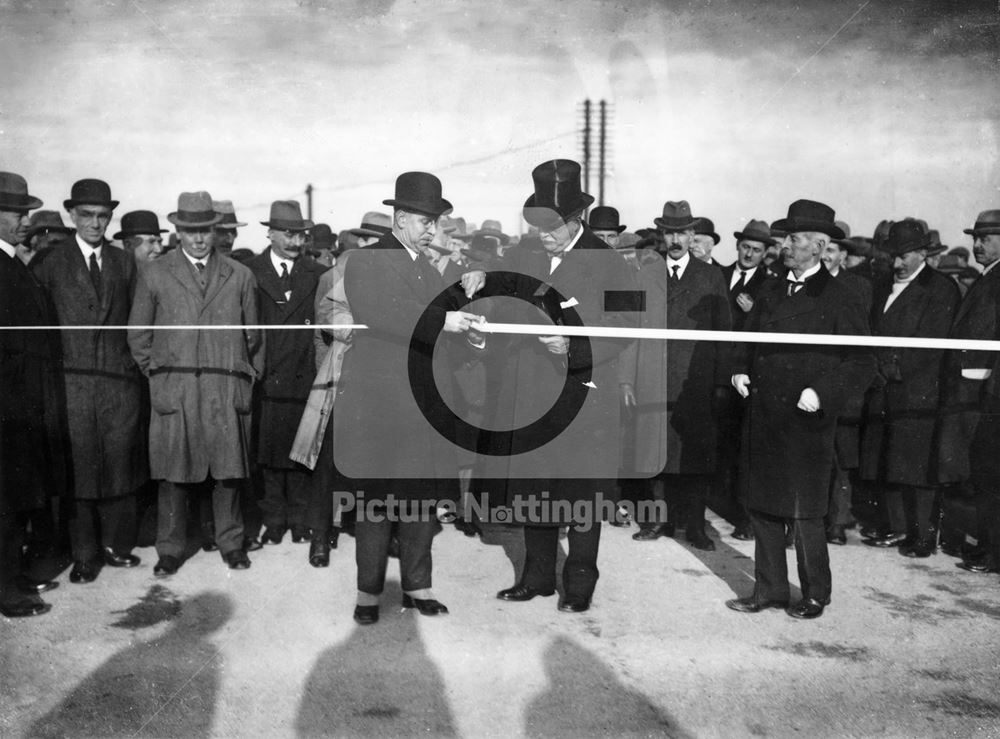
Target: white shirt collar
[(682, 263), (193, 260), (8, 249), (278, 261), (736, 274), (805, 275), (991, 266), (86, 249)]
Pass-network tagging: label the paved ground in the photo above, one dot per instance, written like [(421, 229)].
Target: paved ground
[(908, 648)]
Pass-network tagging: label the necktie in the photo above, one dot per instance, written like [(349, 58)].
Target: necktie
[(740, 282), (286, 281), (674, 277), (95, 272), (794, 286)]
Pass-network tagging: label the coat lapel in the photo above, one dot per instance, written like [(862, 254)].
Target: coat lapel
[(268, 280), (219, 271), (180, 268), (80, 270), (302, 285)]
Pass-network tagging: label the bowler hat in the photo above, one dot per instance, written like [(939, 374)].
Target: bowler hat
[(809, 215), (419, 192), (90, 192), (194, 210), (373, 224), (322, 236), (558, 194), (987, 222), (755, 231), (605, 218), (14, 193), (225, 209), (676, 217), (705, 227), (286, 215), (905, 236), (46, 220), (139, 222)]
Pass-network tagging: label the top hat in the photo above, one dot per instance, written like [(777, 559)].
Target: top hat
[(90, 192), (605, 218), (46, 220), (558, 194), (139, 222), (987, 222), (756, 231), (322, 236), (373, 224), (14, 193), (492, 229), (810, 215), (419, 192), (194, 210), (705, 227), (225, 209), (676, 217), (905, 236), (286, 215)]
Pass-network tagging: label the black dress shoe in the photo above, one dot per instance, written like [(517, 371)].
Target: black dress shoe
[(366, 615), (166, 566), (743, 532), (114, 559), (31, 586), (649, 532), (836, 535), (237, 560), (429, 607), (751, 605), (918, 548), (699, 539), (24, 607), (977, 566), (466, 527), (319, 552), (574, 604), (83, 572), (209, 546), (251, 544), (884, 542), (300, 534), (272, 535), (522, 592), (952, 550), (807, 608), (873, 532)]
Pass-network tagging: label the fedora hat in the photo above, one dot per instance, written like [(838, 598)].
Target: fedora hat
[(950, 264), (373, 224), (194, 210), (322, 236), (46, 220), (676, 217), (858, 246), (138, 222), (605, 218), (14, 193), (225, 209), (90, 192), (482, 248), (810, 215), (286, 215), (558, 194), (936, 246), (492, 229), (756, 231), (705, 227), (419, 192), (907, 235), (842, 243), (987, 222)]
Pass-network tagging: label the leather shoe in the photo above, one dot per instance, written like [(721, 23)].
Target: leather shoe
[(83, 572), (807, 608), (976, 566), (751, 605), (114, 559), (884, 542), (366, 615), (251, 544), (952, 550), (300, 534), (651, 533), (31, 586), (836, 535), (25, 607), (743, 532), (209, 546), (272, 535), (319, 552), (574, 604), (872, 532), (237, 560), (919, 548), (521, 592), (699, 539), (429, 607), (166, 566)]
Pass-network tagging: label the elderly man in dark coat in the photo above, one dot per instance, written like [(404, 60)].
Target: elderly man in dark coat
[(91, 283), (388, 414), (795, 394), (200, 382), (680, 387)]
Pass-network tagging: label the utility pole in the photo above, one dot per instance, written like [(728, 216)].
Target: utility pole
[(586, 145), (309, 202), (602, 168)]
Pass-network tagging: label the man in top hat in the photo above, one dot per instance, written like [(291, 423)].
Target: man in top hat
[(795, 395), (570, 455), (286, 291), (28, 457), (226, 229), (322, 245), (679, 390), (91, 283), (899, 444), (380, 434), (200, 382), (45, 231), (604, 222), (140, 235)]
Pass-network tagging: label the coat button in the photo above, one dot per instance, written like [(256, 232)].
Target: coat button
[(308, 322)]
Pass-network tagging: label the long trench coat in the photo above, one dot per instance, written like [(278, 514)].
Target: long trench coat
[(200, 381), (102, 385)]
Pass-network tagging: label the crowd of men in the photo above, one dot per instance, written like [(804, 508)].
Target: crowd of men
[(194, 386)]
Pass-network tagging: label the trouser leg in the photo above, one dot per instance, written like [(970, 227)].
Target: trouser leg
[(297, 495), (895, 509), (83, 531), (171, 518), (541, 546), (118, 522), (415, 563), (371, 547), (273, 506), (580, 571), (770, 564), (813, 558), (11, 541), (228, 518)]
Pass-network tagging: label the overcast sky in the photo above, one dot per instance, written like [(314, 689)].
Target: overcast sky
[(882, 109)]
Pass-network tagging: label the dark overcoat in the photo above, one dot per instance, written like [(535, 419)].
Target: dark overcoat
[(849, 427), (899, 443), (103, 387), (200, 381), (289, 355), (535, 444), (787, 454), (675, 381), (751, 287)]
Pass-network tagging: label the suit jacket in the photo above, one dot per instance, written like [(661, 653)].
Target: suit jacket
[(103, 387), (200, 382), (787, 454), (858, 284), (751, 288)]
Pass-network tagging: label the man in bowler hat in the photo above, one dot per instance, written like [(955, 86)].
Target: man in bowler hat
[(141, 235)]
